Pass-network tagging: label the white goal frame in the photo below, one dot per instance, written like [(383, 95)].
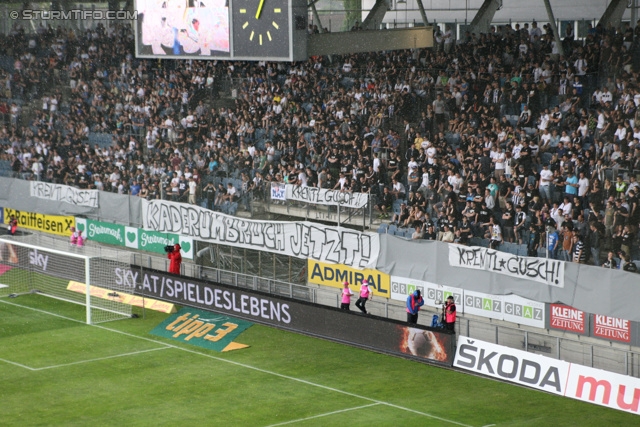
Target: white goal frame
[(36, 259)]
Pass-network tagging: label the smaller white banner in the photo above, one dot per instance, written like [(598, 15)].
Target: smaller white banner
[(542, 270), (324, 196), (278, 191), (64, 193)]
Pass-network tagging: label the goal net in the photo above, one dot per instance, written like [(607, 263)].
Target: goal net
[(72, 277)]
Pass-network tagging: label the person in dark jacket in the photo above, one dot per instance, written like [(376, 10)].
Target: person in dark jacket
[(414, 302)]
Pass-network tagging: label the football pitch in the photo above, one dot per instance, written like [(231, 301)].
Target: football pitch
[(58, 371)]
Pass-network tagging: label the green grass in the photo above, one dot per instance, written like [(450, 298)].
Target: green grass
[(76, 379)]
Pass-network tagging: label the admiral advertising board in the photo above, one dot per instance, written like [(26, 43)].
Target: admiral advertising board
[(335, 275)]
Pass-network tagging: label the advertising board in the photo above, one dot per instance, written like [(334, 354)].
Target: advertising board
[(433, 295), (53, 224), (611, 328), (335, 275), (567, 318), (621, 392), (511, 365), (387, 336)]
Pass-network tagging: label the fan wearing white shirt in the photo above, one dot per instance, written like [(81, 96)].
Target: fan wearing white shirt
[(544, 120), (566, 207), (583, 185), (620, 134)]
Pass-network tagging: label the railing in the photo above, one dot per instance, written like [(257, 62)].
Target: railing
[(358, 217)]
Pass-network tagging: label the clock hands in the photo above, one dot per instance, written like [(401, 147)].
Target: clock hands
[(259, 11)]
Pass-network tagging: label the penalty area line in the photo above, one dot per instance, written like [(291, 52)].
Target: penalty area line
[(324, 415), (300, 380), (133, 353), (17, 364)]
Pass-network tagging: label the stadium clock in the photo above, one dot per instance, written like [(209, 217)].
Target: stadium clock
[(261, 28)]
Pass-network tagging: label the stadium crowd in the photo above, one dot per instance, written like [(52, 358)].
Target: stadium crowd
[(495, 136)]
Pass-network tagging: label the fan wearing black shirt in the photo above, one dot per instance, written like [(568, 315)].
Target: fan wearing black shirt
[(430, 233), (393, 166), (484, 213), (520, 220), (441, 224), (508, 220)]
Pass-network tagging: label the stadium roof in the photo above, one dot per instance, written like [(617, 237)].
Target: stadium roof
[(512, 10)]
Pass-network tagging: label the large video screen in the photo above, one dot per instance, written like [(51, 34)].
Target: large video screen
[(183, 28)]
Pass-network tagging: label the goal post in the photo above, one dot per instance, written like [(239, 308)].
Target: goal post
[(71, 276)]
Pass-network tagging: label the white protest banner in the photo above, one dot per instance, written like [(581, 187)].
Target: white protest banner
[(64, 193), (433, 295), (542, 270), (299, 239), (524, 311), (512, 365), (484, 305), (278, 191), (324, 196)]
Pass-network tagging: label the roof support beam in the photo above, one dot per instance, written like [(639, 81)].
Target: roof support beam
[(316, 16), (375, 15), (613, 15), (554, 27), (425, 21), (482, 20)]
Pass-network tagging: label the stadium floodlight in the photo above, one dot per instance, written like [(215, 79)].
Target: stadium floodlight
[(74, 277)]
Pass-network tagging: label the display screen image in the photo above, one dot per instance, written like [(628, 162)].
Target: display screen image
[(183, 28)]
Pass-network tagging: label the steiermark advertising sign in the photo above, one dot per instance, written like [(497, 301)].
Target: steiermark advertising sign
[(134, 238), (103, 232)]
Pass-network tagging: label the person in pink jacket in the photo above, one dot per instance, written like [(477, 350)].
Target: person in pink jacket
[(365, 295), (346, 297), (80, 241), (73, 240)]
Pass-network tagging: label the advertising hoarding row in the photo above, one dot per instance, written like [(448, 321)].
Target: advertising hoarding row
[(565, 318), (380, 334), (133, 238), (511, 308)]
